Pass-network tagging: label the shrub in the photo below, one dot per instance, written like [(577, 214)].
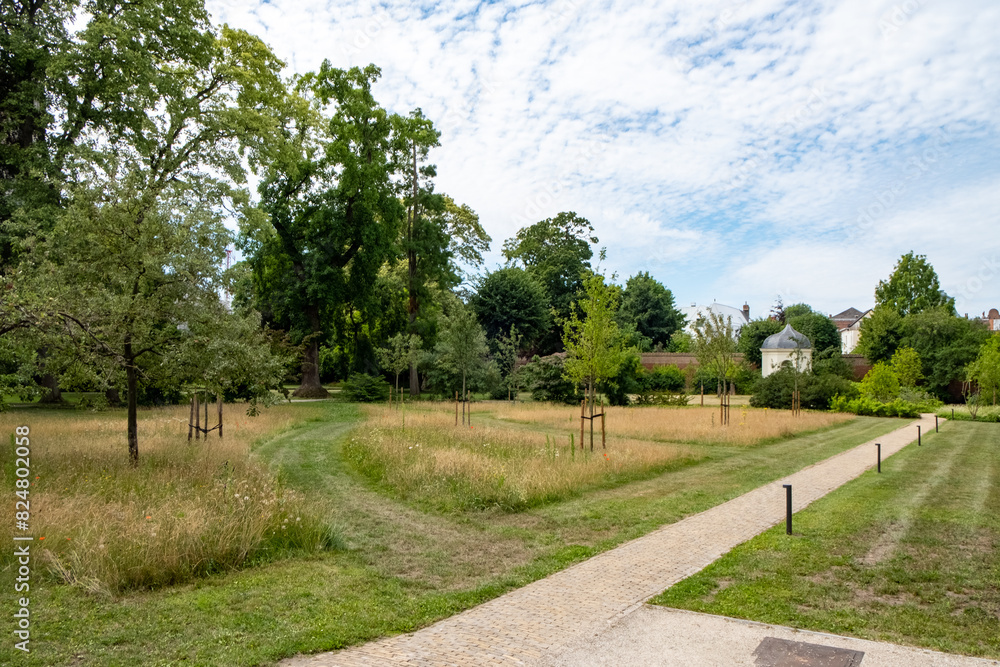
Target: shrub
[(746, 380), (364, 388), (880, 383), (544, 377), (870, 407), (816, 392)]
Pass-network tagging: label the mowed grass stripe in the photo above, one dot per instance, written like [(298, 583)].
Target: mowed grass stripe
[(936, 587)]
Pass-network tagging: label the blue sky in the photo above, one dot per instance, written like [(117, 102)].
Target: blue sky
[(737, 150)]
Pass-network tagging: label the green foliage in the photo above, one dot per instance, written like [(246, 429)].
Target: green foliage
[(511, 297), (985, 370), (816, 391), (715, 346), (752, 336), (872, 407), (546, 379), (906, 365), (796, 310), (681, 341), (402, 351), (461, 349), (831, 362), (556, 252), (744, 377), (880, 334), (818, 328), (328, 216), (661, 385), (946, 345), (913, 288), (507, 358), (364, 388), (649, 306), (880, 383), (595, 350)]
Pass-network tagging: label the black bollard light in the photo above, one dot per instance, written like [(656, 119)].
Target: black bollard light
[(936, 430), (788, 508), (878, 445), (918, 436)]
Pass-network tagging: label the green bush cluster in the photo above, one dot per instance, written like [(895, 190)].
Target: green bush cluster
[(661, 385), (364, 388), (544, 378), (871, 407), (815, 391)]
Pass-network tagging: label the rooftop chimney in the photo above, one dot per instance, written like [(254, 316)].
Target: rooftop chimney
[(746, 311)]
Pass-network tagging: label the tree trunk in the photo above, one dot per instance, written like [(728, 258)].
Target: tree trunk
[(52, 392), (132, 382), (112, 397), (311, 386)]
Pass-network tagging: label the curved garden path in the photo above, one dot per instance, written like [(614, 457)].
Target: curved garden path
[(558, 615)]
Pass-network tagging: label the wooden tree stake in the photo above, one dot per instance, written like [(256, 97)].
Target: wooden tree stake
[(220, 414), (191, 419), (603, 443)]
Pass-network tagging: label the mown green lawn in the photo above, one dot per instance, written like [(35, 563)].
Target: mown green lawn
[(911, 556), (402, 566)]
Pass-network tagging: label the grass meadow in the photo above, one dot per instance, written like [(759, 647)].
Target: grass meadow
[(186, 510), (212, 578), (515, 457), (910, 556)]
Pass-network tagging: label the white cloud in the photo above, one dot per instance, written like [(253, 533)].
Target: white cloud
[(730, 137)]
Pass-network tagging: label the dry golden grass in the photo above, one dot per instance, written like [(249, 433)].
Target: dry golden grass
[(747, 426), (493, 465), (186, 509)]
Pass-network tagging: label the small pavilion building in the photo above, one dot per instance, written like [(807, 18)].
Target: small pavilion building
[(788, 346)]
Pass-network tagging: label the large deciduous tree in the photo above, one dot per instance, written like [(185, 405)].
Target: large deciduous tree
[(511, 297), (329, 216), (649, 306), (438, 234), (913, 287), (135, 255), (556, 252), (984, 371)]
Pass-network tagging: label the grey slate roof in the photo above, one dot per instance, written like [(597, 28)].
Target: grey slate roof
[(852, 314), (786, 339)]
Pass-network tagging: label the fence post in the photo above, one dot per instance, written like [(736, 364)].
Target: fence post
[(788, 508)]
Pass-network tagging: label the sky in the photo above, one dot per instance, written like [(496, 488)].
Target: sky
[(737, 151)]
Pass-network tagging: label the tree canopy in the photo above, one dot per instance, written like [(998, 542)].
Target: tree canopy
[(556, 252), (913, 288), (511, 297), (649, 307)]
